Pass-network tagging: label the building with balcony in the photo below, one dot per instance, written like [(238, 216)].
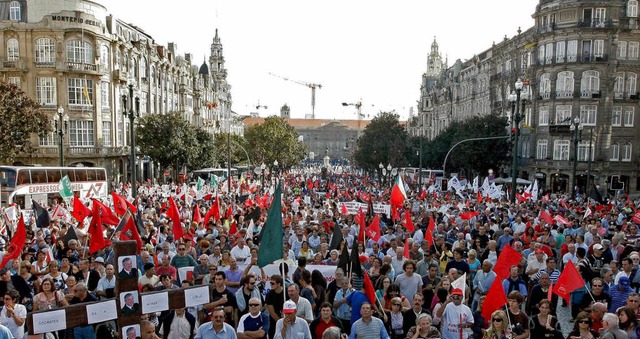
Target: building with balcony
[(72, 55), (579, 60)]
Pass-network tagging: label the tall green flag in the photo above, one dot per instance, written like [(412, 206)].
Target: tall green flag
[(271, 248), (200, 184), (65, 188), (214, 181)]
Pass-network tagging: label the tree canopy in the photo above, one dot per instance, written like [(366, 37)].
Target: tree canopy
[(222, 145), (170, 139), (20, 117), (274, 139), (384, 141)]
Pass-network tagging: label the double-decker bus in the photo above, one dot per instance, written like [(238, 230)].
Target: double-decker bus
[(21, 184)]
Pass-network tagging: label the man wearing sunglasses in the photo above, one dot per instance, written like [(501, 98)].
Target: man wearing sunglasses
[(254, 324), (457, 318)]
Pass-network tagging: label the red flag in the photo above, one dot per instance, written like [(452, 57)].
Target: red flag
[(561, 219), (343, 209), (569, 281), (406, 249), (174, 215), (233, 228), (96, 230), (120, 204), (495, 298), (468, 215), (550, 292), (636, 217), (197, 217), (398, 194), (369, 291), (129, 230), (544, 215), (106, 214), (229, 214), (394, 213), (17, 243), (479, 197), (373, 231), (507, 258), (423, 195), (430, 228), (564, 204), (408, 223), (359, 219), (80, 211)]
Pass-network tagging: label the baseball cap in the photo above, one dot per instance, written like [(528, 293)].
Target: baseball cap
[(539, 251), (289, 307), (597, 247), (456, 291), (624, 281)]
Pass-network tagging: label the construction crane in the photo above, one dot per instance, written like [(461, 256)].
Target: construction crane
[(307, 84)]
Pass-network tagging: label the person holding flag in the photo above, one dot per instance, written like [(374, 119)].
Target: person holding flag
[(457, 318)]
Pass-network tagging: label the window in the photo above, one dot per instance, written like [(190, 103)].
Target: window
[(561, 150), (572, 51), (598, 48), (590, 83), (80, 91), (564, 85), (541, 55), (628, 116), (14, 11), (119, 129), (618, 86), (525, 151), (631, 84), (507, 68), (626, 152), (81, 133), (15, 81), (46, 91), (45, 51), (633, 50), (13, 50), (79, 51), (541, 152), (622, 50), (548, 57), (615, 152), (543, 116), (563, 115), (104, 95), (106, 133), (545, 86), (49, 140), (632, 8), (560, 46), (143, 68), (616, 116), (143, 103), (104, 57), (588, 114), (584, 148), (599, 17)]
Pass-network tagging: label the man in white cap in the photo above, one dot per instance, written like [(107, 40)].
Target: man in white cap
[(291, 326)]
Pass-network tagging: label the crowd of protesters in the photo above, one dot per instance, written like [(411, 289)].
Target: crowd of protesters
[(415, 296)]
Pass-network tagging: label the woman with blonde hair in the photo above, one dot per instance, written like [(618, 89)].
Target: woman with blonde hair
[(499, 327), (395, 320), (423, 329)]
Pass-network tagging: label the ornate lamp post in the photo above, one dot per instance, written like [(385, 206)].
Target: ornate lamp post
[(381, 167), (389, 174), (576, 136), (515, 99), (61, 124), (132, 112)]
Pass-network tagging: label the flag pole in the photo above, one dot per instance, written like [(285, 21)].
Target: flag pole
[(284, 292)]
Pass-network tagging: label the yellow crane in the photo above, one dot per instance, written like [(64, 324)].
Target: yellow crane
[(307, 84)]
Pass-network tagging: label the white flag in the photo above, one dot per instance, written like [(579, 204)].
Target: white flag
[(534, 191), (461, 283), (475, 184)]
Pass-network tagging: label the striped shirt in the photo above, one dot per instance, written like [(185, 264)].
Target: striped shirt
[(374, 329)]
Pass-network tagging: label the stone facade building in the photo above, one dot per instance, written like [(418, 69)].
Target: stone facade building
[(579, 60), (71, 56)]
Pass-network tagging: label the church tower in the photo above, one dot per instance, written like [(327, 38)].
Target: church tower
[(221, 88), (285, 112), (434, 61)]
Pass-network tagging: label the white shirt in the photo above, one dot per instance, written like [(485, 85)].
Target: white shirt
[(180, 328), (240, 253), (21, 312), (451, 321), (304, 310)]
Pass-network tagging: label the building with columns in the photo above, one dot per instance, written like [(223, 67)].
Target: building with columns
[(579, 64), (71, 56)]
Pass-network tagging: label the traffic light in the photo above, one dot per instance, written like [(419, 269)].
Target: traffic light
[(616, 184)]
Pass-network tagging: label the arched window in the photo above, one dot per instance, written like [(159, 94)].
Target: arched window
[(80, 51), (631, 83), (45, 51), (632, 8), (564, 85), (104, 57), (618, 86), (143, 68), (134, 68), (626, 152), (14, 11), (545, 86), (13, 49), (615, 152), (590, 83)]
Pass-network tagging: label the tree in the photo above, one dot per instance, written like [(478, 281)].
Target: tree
[(205, 150), (275, 139), (384, 141), (20, 118), (221, 145), (168, 138)]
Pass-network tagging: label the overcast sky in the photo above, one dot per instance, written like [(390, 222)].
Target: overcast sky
[(370, 50)]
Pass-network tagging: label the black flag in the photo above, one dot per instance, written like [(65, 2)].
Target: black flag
[(336, 238), (355, 260), (43, 219), (71, 234), (595, 194), (343, 260)]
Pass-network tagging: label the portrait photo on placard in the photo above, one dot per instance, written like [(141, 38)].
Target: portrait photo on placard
[(131, 331), (128, 267), (129, 302)]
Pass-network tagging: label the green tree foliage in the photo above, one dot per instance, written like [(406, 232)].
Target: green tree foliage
[(384, 141), (171, 140), (20, 118), (472, 157), (274, 139), (222, 146)]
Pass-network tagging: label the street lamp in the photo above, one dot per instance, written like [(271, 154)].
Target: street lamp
[(61, 122), (275, 170), (515, 99), (128, 111), (389, 174), (576, 136), (381, 167)]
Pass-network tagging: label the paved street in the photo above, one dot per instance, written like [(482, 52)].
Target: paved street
[(564, 315)]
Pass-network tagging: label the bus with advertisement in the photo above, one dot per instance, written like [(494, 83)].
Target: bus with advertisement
[(21, 184)]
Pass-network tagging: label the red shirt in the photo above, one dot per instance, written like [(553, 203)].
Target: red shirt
[(322, 326)]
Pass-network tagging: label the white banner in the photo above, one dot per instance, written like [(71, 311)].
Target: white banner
[(354, 206)]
